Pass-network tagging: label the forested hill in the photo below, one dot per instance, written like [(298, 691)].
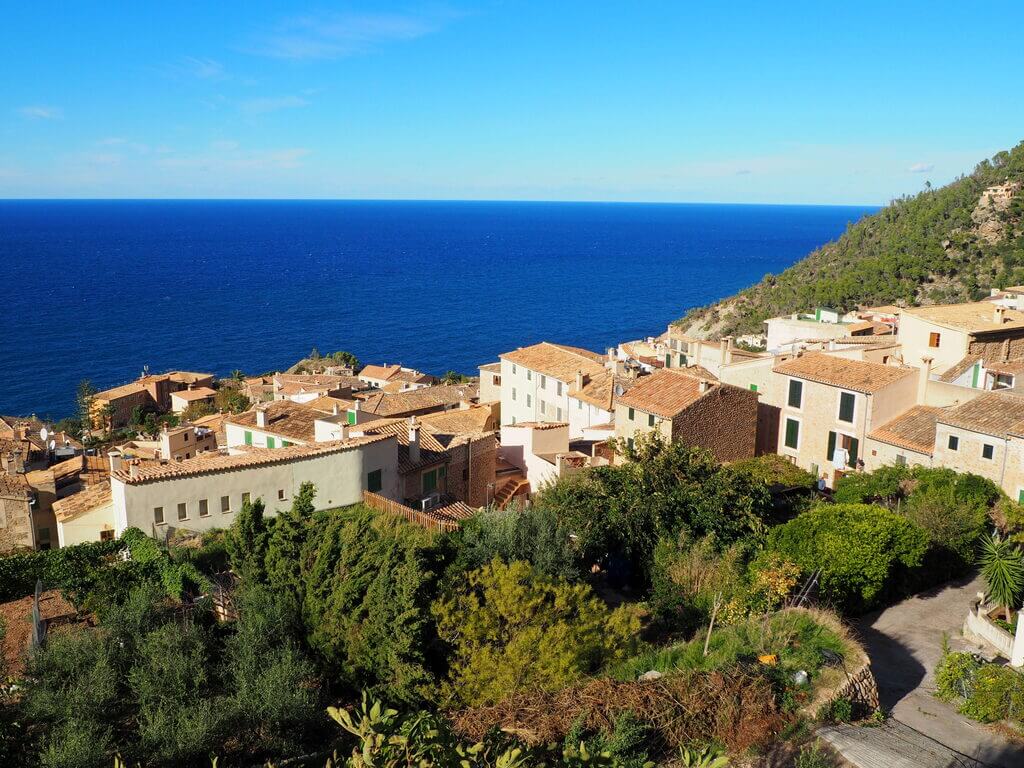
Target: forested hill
[(942, 245)]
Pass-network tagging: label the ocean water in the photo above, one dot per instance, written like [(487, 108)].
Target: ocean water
[(98, 289)]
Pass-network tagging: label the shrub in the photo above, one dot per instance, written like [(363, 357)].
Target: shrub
[(954, 676), (883, 486), (687, 575), (998, 694), (72, 569), (511, 630), (863, 552), (284, 546)]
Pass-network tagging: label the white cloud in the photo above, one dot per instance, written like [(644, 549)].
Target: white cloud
[(272, 104), (203, 68), (333, 36), (40, 112), (921, 168)]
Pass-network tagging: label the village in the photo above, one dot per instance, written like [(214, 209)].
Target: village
[(832, 393)]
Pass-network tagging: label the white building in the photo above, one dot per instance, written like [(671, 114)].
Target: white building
[(206, 492)]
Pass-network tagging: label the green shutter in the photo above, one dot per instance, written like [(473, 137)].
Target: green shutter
[(271, 443), (1020, 496), (285, 443), (682, 361), (846, 407), (831, 445), (792, 433), (352, 417), (974, 375), (854, 443), (632, 414), (650, 420), (430, 481), (753, 387), (796, 393), (248, 437), (373, 481)]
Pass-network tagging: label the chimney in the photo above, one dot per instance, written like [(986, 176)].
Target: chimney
[(698, 349), (999, 314), (335, 410), (261, 417), (922, 382), (725, 345), (580, 380), (612, 356), (357, 406), (12, 463), (133, 469), (115, 460), (343, 430), (414, 440), (703, 385)]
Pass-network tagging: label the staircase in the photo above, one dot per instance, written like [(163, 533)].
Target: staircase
[(509, 490)]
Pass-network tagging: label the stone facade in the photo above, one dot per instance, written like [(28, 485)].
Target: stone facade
[(472, 468), (724, 421), (860, 688), (15, 516)]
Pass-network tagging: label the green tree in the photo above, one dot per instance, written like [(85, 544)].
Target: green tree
[(454, 377), (368, 582), (197, 410), (346, 359), (1002, 567), (512, 630), (246, 542), (862, 551), (230, 399), (85, 399), (287, 536)]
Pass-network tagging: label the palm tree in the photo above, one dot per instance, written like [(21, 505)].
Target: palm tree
[(1002, 566)]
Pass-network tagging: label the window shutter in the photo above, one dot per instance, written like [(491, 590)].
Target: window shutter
[(854, 443), (831, 445)]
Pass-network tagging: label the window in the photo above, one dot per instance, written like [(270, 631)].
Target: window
[(225, 503), (513, 394), (988, 451), (44, 538), (847, 402), (849, 444), (632, 414), (682, 361), (529, 375), (528, 400), (183, 511), (271, 443), (934, 339), (248, 437), (558, 416), (629, 442), (796, 393), (280, 494), (542, 406), (158, 515), (558, 388), (442, 472), (285, 443), (543, 381), (901, 460), (1020, 496), (245, 497), (204, 508), (579, 405), (514, 369), (954, 443), (650, 420), (429, 481), (186, 437), (373, 481), (351, 417), (753, 387), (107, 535), (792, 434)]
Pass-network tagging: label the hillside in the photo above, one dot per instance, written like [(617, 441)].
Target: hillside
[(942, 245)]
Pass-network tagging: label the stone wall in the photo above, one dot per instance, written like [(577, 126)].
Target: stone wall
[(860, 688), (724, 421)]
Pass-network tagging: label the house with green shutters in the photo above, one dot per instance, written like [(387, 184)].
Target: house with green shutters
[(278, 424), (827, 406)]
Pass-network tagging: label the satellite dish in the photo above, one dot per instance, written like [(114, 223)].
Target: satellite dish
[(43, 434), (53, 444)]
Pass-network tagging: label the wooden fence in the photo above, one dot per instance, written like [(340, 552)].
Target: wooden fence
[(431, 522)]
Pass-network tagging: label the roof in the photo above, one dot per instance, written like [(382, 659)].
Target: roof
[(993, 413), (460, 421), (538, 425), (664, 393), (856, 375), (431, 450), (394, 373), (326, 403), (492, 367), (125, 390), (974, 317), (13, 486), (283, 417), (913, 430), (199, 393), (556, 360), (404, 403), (211, 463), (86, 500), (1012, 367), (959, 369), (319, 380)]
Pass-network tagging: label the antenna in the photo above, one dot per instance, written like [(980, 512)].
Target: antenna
[(43, 434)]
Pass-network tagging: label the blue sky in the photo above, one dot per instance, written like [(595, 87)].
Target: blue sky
[(673, 101)]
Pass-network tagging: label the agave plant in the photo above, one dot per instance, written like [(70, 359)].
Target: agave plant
[(705, 757), (1002, 567)]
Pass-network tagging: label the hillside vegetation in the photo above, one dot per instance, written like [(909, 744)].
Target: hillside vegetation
[(942, 245)]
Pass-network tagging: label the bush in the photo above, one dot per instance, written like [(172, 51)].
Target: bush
[(511, 630), (864, 553), (72, 569), (686, 576), (998, 694), (883, 486), (954, 676)]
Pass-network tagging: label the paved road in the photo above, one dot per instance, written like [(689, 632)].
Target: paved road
[(905, 643)]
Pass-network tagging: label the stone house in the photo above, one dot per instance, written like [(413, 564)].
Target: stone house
[(828, 406), (687, 409)]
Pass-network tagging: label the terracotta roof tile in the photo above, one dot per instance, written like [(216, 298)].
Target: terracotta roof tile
[(405, 403), (975, 317), (857, 375), (199, 393), (993, 413), (556, 360), (86, 500), (283, 417), (913, 430), (211, 463), (431, 450), (664, 393), (959, 369)]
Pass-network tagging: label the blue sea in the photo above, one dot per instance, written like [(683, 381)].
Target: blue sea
[(98, 289)]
